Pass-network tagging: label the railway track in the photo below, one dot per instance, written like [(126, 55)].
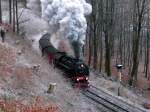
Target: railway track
[(107, 101)]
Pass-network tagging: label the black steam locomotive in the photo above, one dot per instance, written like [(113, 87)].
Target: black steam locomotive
[(74, 68)]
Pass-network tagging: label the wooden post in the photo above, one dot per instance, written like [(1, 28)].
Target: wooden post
[(119, 67), (51, 88), (119, 80)]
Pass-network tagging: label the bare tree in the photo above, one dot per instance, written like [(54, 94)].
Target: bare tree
[(108, 30), (147, 49), (17, 22), (0, 11), (14, 17), (10, 11), (116, 30), (139, 9)]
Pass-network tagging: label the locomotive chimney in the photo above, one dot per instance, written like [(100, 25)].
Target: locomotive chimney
[(77, 49)]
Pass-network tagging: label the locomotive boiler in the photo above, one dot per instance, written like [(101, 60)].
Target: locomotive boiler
[(75, 69)]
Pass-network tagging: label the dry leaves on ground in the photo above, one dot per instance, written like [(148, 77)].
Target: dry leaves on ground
[(7, 59), (15, 106)]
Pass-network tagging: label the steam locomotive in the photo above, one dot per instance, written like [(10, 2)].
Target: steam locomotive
[(74, 68)]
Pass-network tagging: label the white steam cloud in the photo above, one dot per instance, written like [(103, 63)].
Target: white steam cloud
[(67, 17)]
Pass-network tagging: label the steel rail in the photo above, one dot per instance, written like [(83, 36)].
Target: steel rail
[(122, 101), (104, 102)]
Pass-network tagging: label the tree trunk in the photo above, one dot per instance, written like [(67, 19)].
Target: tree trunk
[(0, 11), (107, 55), (101, 53), (14, 17), (95, 51), (10, 11), (147, 55), (135, 57), (90, 50), (136, 39), (17, 22)]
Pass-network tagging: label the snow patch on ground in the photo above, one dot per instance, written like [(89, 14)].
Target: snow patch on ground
[(35, 44)]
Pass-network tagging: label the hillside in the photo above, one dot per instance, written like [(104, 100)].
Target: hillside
[(25, 75)]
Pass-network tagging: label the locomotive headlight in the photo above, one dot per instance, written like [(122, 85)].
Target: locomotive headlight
[(87, 78), (82, 65), (77, 79)]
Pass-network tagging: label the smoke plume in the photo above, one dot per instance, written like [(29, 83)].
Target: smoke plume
[(67, 18)]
